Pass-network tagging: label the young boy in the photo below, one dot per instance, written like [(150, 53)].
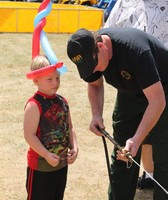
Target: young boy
[(48, 131)]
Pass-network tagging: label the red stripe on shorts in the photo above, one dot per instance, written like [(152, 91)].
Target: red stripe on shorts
[(30, 183)]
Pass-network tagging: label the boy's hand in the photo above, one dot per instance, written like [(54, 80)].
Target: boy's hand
[(71, 156), (52, 159)]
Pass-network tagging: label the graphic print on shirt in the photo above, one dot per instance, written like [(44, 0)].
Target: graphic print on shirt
[(56, 139)]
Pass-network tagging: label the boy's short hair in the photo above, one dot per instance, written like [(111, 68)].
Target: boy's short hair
[(39, 62)]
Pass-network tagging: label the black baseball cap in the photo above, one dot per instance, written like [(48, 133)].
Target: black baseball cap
[(80, 50)]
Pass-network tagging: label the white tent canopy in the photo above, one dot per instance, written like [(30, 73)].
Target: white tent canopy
[(147, 15)]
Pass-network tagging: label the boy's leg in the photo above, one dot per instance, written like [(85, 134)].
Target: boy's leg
[(144, 181), (60, 184), (46, 185), (146, 158)]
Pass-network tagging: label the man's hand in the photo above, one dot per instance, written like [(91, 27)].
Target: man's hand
[(97, 121), (131, 146)]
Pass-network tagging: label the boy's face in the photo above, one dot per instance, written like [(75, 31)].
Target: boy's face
[(48, 84)]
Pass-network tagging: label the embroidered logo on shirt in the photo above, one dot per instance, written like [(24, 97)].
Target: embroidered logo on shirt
[(126, 75)]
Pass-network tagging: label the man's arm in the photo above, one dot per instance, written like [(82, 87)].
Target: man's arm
[(96, 99), (156, 104)]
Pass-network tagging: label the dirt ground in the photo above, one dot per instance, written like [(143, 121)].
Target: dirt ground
[(87, 177)]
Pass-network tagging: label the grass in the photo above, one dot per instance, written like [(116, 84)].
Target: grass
[(87, 177)]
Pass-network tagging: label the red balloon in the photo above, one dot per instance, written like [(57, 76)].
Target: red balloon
[(37, 31), (36, 38), (43, 71), (43, 5)]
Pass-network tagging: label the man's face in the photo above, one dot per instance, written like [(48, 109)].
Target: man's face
[(102, 57)]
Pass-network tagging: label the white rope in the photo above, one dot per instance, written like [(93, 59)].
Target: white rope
[(150, 176)]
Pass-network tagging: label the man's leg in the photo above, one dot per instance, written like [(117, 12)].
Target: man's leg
[(128, 112), (124, 180)]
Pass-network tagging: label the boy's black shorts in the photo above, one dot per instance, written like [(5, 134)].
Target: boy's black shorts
[(46, 185)]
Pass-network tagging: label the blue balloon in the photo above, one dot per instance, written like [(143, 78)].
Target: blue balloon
[(47, 48), (44, 41)]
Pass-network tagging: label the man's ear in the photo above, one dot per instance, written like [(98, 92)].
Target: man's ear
[(99, 44)]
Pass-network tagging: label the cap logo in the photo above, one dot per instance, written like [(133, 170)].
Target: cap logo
[(77, 59)]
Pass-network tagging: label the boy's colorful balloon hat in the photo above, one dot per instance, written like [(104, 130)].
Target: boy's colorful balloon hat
[(40, 36)]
